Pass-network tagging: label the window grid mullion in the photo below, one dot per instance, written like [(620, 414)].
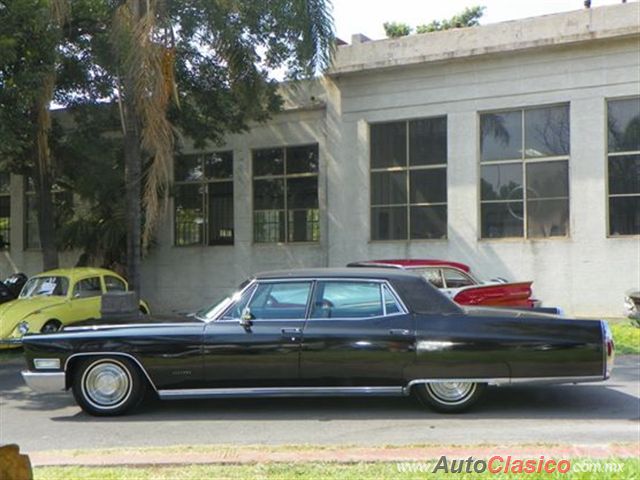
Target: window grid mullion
[(525, 215), (408, 184), (286, 203), (623, 153), (623, 195)]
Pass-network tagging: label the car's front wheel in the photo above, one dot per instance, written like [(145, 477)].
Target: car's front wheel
[(51, 326), (108, 386), (449, 397)]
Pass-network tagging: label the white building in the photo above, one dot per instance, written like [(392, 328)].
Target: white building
[(512, 147)]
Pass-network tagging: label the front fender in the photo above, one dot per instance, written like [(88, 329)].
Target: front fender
[(37, 320)]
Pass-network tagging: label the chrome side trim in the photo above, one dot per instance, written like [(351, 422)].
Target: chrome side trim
[(108, 354), (559, 380), (278, 392), (112, 326), (45, 382), (506, 381)]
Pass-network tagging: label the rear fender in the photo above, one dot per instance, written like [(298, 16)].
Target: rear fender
[(501, 294)]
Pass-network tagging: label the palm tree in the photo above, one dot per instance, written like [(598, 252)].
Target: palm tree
[(58, 12), (244, 36)]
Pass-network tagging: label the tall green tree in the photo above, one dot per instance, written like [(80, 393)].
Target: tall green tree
[(30, 33), (201, 67), (44, 57), (469, 17)]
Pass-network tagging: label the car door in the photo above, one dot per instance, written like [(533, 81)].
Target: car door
[(85, 300), (265, 351), (358, 334)]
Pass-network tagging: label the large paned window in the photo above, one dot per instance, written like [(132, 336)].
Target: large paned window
[(203, 199), (623, 122), (409, 179), (62, 210), (5, 210), (525, 173), (285, 195)]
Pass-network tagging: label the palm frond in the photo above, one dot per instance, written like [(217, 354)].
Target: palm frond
[(147, 60)]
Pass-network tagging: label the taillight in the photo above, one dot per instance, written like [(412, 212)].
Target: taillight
[(609, 347)]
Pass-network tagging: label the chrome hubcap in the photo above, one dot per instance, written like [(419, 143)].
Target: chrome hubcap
[(107, 384), (451, 392)]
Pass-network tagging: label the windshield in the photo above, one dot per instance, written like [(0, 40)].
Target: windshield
[(213, 311), (45, 287)]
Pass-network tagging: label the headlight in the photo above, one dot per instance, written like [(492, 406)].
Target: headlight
[(23, 328)]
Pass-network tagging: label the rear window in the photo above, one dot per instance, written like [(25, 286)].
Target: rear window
[(114, 284)]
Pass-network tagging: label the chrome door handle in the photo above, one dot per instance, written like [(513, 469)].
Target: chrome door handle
[(400, 331)]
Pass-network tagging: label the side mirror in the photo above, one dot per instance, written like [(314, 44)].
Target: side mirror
[(246, 319)]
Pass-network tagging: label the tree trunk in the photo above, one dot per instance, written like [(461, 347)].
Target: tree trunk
[(133, 172), (42, 183), (46, 223), (133, 182)]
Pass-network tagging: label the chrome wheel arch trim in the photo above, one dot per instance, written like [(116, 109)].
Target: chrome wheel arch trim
[(111, 354), (451, 393)]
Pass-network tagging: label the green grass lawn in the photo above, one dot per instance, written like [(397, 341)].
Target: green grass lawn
[(626, 336), (630, 469)]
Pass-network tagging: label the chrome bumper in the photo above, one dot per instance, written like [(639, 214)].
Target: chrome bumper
[(45, 382)]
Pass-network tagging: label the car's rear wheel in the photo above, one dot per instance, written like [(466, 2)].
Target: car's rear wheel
[(449, 397), (108, 386), (51, 326)]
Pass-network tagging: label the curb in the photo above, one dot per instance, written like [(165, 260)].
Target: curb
[(251, 455)]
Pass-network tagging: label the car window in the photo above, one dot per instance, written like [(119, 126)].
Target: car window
[(88, 287), (390, 303), (347, 300), (433, 276), (286, 300), (114, 284), (456, 279), (45, 286)]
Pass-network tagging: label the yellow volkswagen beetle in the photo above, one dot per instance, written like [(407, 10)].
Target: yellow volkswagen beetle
[(56, 298)]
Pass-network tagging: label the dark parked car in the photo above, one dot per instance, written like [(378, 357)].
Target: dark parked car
[(321, 332), (11, 286)]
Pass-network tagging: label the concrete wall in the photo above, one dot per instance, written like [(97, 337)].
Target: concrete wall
[(586, 273), (187, 278)]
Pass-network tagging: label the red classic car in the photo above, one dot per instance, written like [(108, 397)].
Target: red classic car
[(458, 283)]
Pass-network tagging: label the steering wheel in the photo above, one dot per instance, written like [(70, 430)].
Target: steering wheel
[(325, 303), (271, 301)]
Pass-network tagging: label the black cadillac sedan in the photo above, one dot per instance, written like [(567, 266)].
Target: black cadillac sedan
[(320, 332)]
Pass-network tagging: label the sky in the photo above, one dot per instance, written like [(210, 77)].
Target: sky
[(367, 16)]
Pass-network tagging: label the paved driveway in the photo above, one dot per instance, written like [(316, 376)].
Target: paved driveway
[(576, 414)]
